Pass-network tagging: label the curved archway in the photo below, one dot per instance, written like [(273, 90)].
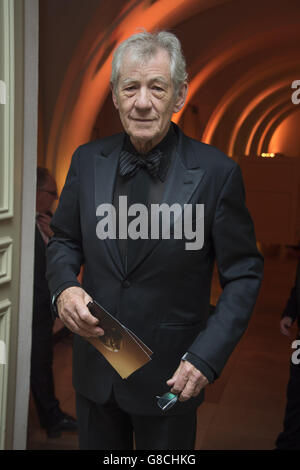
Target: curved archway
[(278, 105), (266, 93), (252, 80), (270, 129), (80, 101), (254, 85), (282, 136)]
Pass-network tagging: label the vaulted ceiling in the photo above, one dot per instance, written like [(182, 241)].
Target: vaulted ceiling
[(242, 59)]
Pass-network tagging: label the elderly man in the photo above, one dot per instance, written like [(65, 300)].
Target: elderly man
[(159, 287)]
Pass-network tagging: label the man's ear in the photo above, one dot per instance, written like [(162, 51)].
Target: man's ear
[(181, 97), (114, 96)]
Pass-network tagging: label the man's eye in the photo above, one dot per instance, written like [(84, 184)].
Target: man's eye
[(130, 88), (157, 88)]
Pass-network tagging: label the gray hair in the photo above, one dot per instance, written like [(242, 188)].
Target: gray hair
[(143, 46)]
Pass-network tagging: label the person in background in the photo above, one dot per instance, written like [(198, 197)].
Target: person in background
[(289, 438), (42, 382)]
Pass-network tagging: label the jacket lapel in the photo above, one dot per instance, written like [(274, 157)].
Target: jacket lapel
[(106, 166), (184, 179)]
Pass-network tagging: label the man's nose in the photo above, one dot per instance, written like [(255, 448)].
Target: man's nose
[(143, 100)]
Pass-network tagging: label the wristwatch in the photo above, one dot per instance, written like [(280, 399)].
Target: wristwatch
[(53, 304)]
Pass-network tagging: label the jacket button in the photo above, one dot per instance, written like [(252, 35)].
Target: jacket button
[(126, 283)]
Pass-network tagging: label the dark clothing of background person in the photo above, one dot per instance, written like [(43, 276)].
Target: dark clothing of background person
[(289, 438), (41, 377), (42, 382)]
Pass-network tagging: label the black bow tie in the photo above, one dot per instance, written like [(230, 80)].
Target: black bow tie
[(129, 163)]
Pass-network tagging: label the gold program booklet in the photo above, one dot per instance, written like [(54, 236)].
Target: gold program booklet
[(120, 346)]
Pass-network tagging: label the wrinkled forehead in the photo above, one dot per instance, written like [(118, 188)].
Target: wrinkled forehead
[(155, 57)]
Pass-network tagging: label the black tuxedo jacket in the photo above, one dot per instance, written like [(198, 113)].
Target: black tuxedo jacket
[(165, 297)]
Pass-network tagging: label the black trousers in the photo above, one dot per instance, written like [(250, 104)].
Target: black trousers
[(107, 427), (41, 376), (289, 438)]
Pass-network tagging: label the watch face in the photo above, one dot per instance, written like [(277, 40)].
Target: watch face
[(166, 401)]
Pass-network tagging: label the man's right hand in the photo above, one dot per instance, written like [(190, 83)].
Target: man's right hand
[(73, 312)]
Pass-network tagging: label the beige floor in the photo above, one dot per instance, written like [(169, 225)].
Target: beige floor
[(244, 408)]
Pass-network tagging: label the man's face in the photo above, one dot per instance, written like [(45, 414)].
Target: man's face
[(145, 99), (46, 196)]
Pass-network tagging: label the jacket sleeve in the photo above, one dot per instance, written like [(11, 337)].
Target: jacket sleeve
[(240, 268), (64, 251)]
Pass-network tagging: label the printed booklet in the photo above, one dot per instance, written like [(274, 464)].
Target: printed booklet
[(120, 346)]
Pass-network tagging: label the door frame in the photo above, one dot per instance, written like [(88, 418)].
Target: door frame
[(25, 21)]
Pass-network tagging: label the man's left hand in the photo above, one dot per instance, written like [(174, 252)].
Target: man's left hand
[(187, 381)]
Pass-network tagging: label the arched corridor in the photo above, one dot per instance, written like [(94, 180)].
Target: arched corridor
[(242, 60), (244, 98)]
